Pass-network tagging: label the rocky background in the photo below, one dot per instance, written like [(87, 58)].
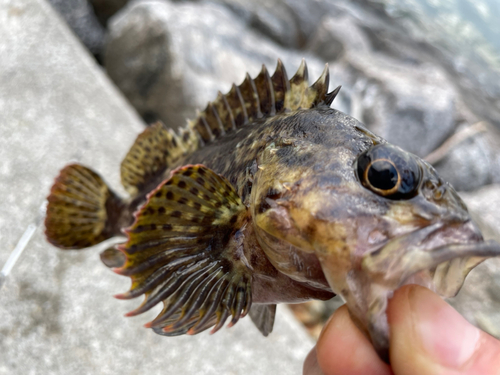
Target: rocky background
[(403, 76)]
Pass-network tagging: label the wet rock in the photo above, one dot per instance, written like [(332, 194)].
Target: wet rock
[(57, 311), (479, 299), (171, 59), (80, 16)]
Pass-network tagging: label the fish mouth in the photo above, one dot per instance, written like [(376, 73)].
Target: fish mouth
[(438, 256)]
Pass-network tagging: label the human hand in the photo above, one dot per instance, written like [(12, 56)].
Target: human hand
[(427, 337)]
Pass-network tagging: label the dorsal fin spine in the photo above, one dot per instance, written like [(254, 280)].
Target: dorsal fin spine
[(265, 92), (224, 112), (298, 86), (208, 136), (213, 121), (219, 121), (250, 98), (264, 96), (281, 88), (330, 97), (320, 87), (236, 106)]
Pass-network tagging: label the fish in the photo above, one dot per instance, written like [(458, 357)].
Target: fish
[(269, 196)]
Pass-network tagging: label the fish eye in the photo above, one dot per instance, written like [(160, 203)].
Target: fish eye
[(389, 172)]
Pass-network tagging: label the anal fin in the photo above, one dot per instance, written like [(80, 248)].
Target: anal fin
[(112, 257), (184, 250), (263, 317)]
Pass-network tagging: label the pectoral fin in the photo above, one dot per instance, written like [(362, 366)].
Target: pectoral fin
[(185, 250)]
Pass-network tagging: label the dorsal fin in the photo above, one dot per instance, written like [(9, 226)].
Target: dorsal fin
[(158, 148), (154, 150), (263, 96)]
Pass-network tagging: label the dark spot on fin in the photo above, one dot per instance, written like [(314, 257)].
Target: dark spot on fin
[(182, 250), (82, 211), (112, 257), (263, 317), (154, 150)]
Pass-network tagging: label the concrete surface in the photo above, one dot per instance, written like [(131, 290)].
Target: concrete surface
[(57, 315)]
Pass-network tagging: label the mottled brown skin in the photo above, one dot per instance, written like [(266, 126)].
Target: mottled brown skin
[(317, 224), (236, 157)]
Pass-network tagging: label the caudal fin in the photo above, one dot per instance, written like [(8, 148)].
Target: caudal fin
[(82, 211)]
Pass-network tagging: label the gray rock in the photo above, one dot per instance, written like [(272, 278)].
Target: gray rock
[(288, 22), (479, 299), (271, 18), (308, 15), (335, 34), (474, 162), (80, 16), (412, 106), (171, 59), (57, 313)]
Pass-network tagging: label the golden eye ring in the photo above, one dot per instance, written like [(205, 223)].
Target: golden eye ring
[(388, 171), (383, 192)]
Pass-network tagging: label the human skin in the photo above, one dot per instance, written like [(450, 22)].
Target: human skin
[(427, 337)]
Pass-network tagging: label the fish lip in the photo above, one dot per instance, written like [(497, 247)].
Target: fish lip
[(488, 248), (426, 248)]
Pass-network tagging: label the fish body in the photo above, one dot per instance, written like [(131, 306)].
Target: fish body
[(270, 196)]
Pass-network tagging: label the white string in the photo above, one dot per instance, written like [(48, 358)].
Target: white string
[(21, 245)]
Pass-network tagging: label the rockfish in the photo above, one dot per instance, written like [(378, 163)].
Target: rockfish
[(269, 196)]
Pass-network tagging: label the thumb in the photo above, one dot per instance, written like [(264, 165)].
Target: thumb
[(429, 337)]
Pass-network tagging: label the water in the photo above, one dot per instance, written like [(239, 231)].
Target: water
[(467, 31)]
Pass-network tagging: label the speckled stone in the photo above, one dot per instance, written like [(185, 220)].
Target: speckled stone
[(479, 298), (57, 314)]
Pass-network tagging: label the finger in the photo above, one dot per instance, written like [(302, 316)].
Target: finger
[(429, 337), (311, 365), (342, 349)]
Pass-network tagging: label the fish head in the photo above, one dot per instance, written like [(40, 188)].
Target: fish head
[(375, 216)]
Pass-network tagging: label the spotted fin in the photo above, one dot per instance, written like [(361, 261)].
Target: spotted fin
[(263, 317), (261, 97), (153, 152), (184, 249), (82, 211)]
